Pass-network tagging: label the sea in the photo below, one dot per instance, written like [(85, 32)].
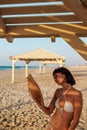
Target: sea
[(16, 67)]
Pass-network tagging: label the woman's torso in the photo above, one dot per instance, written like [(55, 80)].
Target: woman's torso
[(63, 114)]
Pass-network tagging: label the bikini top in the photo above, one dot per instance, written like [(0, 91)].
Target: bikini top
[(68, 106)]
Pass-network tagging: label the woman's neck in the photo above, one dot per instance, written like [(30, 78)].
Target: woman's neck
[(66, 86)]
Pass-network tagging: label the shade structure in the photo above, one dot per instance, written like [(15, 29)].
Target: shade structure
[(45, 18), (41, 55), (38, 55)]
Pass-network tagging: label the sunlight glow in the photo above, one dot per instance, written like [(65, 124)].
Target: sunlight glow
[(56, 29), (12, 33), (1, 30), (78, 26), (82, 52), (34, 31)]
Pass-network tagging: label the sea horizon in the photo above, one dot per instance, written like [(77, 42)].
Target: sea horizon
[(9, 67)]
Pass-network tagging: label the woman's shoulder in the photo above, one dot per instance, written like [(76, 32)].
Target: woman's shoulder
[(76, 92)]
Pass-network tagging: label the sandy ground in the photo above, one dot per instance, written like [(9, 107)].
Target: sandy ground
[(17, 109)]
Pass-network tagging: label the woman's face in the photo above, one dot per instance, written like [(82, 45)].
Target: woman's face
[(59, 78)]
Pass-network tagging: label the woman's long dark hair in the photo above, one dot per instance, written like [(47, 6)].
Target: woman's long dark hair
[(67, 73)]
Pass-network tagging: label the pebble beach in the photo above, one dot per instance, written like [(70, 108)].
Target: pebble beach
[(18, 111)]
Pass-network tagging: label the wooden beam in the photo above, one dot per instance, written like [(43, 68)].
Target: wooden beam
[(2, 26), (30, 36), (82, 35), (66, 28), (9, 39), (75, 43), (55, 28), (47, 29), (36, 35), (39, 19), (43, 30), (25, 1), (34, 10), (77, 7)]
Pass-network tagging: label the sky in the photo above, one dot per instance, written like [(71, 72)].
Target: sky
[(23, 45)]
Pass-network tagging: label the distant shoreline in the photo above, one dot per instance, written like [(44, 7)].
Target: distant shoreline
[(16, 67), (37, 66)]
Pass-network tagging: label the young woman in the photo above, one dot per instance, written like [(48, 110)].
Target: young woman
[(67, 102)]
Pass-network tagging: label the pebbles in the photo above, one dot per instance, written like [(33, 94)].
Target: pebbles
[(17, 109)]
